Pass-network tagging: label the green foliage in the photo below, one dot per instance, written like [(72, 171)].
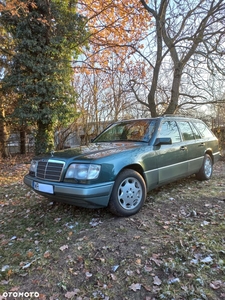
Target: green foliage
[(47, 38)]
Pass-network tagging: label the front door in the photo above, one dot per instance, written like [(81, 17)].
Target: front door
[(171, 159)]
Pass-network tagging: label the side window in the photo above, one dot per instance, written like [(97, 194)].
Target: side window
[(170, 129), (203, 129), (196, 133), (186, 131)]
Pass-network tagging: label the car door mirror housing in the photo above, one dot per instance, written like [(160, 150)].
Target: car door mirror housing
[(163, 141)]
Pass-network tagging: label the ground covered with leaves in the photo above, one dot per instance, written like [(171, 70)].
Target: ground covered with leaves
[(174, 248)]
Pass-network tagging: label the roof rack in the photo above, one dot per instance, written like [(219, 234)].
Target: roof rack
[(171, 115)]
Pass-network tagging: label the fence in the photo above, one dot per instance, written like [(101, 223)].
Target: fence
[(14, 143)]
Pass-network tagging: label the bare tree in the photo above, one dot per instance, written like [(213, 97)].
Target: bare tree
[(102, 95), (185, 48), (177, 45)]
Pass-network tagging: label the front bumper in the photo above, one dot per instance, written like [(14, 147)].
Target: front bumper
[(90, 196)]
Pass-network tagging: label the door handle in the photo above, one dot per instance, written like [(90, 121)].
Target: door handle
[(183, 148), (201, 145)]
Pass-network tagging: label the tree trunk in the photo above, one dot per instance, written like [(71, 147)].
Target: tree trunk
[(152, 94), (44, 141), (23, 142), (3, 134), (172, 108)]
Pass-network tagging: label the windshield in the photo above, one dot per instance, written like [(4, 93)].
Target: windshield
[(136, 130)]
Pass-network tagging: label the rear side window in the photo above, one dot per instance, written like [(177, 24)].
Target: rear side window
[(203, 129), (196, 133), (170, 129), (186, 131)]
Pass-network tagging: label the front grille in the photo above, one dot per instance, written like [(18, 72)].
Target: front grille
[(50, 170)]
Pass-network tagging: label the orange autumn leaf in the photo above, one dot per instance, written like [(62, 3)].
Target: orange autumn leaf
[(15, 5), (30, 254), (115, 27)]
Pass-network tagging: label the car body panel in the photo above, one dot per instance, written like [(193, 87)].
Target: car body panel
[(91, 196), (171, 162)]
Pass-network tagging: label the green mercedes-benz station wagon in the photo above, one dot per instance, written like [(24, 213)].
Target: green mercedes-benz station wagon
[(127, 160)]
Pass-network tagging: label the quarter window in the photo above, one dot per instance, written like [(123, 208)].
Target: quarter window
[(170, 129), (203, 129)]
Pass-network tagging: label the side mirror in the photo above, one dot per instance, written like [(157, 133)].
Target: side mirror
[(163, 141)]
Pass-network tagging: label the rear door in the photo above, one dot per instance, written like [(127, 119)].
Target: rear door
[(195, 147)]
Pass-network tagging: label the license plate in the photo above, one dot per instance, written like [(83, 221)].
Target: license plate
[(41, 187)]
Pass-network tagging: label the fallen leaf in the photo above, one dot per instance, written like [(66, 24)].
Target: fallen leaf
[(138, 261), (88, 275), (207, 259), (57, 220), (30, 254), (80, 258), (113, 276), (215, 285), (70, 295), (165, 226), (157, 261), (26, 266), (173, 280), (114, 268), (190, 275), (47, 254), (29, 229), (64, 247), (148, 288), (4, 282), (95, 222), (15, 289), (135, 286), (205, 223), (157, 281), (147, 268), (4, 268), (9, 273), (129, 273)]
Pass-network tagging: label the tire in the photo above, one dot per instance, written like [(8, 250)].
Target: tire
[(205, 173), (128, 194)]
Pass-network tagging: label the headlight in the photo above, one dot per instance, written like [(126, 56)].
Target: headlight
[(33, 166), (83, 171)]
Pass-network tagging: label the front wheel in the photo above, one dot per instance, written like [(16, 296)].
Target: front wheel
[(205, 173), (128, 194)]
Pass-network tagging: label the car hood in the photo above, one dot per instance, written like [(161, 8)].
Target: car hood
[(93, 151)]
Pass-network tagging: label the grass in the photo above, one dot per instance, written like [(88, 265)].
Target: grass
[(173, 249)]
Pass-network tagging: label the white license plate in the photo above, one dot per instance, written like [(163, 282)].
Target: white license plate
[(41, 187)]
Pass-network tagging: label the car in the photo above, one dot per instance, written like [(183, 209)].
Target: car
[(126, 161)]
